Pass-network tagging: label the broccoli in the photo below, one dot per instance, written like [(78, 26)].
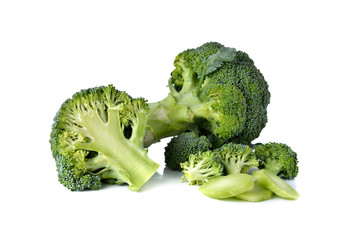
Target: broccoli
[(272, 182), (97, 136), (237, 158), (228, 186), (257, 194), (279, 158), (201, 167), (182, 146), (214, 90)]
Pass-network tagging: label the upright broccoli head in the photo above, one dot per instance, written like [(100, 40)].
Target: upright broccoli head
[(237, 158), (201, 167), (213, 89), (279, 158), (97, 136), (182, 146)]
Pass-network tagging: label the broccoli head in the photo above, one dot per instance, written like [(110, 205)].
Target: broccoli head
[(237, 158), (201, 167), (278, 158), (97, 136), (182, 146), (213, 89)]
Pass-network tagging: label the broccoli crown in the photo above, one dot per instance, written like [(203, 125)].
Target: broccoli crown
[(212, 63), (219, 108), (97, 136), (278, 158), (237, 158), (201, 167), (182, 146), (223, 89)]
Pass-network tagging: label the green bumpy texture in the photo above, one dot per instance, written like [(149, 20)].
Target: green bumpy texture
[(201, 167), (182, 146), (279, 158), (238, 72), (97, 136), (243, 74), (237, 158), (229, 107), (70, 162), (72, 178)]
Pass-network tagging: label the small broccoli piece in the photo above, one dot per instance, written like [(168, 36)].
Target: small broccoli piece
[(257, 194), (279, 158), (97, 136), (237, 158), (275, 184), (182, 146), (227, 186), (201, 167), (213, 89)]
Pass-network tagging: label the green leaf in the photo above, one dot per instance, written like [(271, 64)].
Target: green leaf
[(215, 61)]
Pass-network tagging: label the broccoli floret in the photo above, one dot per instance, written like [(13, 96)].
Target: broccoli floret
[(278, 158), (182, 146), (255, 90), (201, 167), (237, 158), (213, 89), (97, 136)]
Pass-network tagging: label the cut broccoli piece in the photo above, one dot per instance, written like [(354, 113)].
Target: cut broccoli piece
[(182, 146), (278, 158), (272, 182), (227, 186), (236, 158), (201, 167), (214, 89), (257, 194), (97, 136)]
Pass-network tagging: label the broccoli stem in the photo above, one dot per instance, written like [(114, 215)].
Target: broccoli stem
[(139, 129), (167, 118), (177, 113), (231, 167), (125, 158), (273, 165), (132, 164), (204, 111)]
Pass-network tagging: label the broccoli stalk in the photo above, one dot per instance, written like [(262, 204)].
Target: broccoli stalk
[(167, 118), (97, 136), (227, 186)]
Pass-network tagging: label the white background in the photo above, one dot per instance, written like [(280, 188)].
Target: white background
[(307, 51)]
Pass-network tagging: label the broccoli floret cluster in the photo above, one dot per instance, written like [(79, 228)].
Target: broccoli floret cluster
[(216, 106), (229, 159), (279, 158), (224, 172), (182, 146), (237, 158), (201, 167), (214, 90), (97, 136)]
